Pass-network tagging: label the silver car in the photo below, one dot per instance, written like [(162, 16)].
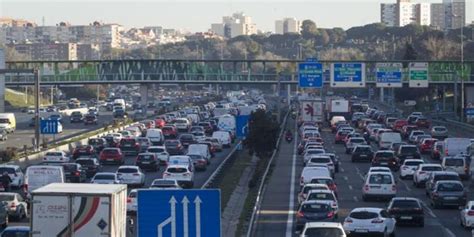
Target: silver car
[(439, 132), (105, 178)]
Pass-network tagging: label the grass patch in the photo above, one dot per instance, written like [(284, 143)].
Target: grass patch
[(17, 99), (232, 177)]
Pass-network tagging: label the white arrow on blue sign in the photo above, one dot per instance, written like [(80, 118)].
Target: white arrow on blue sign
[(49, 126)]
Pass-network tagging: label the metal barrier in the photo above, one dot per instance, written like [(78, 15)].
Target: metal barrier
[(219, 169)]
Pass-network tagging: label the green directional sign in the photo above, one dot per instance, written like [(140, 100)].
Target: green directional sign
[(418, 75)]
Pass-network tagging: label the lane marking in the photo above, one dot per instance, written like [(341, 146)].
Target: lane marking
[(360, 174), (350, 187), (345, 178), (355, 199), (449, 232), (289, 222), (428, 209), (341, 169), (404, 184)]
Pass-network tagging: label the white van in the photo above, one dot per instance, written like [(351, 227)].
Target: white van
[(380, 185), (193, 118), (181, 160), (457, 164), (200, 149), (309, 172), (387, 138), (226, 123), (8, 122), (336, 119), (155, 135), (224, 137), (455, 146), (37, 176)]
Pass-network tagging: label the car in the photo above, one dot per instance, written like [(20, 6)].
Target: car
[(93, 111), (420, 138), (132, 205), (90, 119), (56, 117), (323, 229), (407, 129), (215, 143), (144, 143), (340, 135), (15, 173), (308, 187), (398, 125), (386, 158), (76, 117), (187, 139), (74, 172), (458, 164), (105, 178), (413, 134), (160, 123), (448, 192), (408, 152), (182, 124), (353, 142), (438, 176), (97, 143), (427, 144), (111, 155), (207, 127), (362, 152), (324, 196), (467, 215), (148, 161), (412, 119), (90, 164), (182, 173), (16, 207), (160, 153), (396, 145), (408, 167), (83, 150), (199, 161), (439, 132), (436, 150), (379, 185), (169, 131), (423, 172), (309, 172), (314, 211), (312, 152), (165, 184), (317, 160), (55, 156), (328, 181), (368, 220), (129, 146), (422, 122), (131, 175), (407, 210)]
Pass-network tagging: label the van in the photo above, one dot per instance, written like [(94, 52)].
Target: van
[(226, 123), (193, 118), (8, 122), (155, 135), (379, 185), (387, 138), (457, 164), (337, 119), (224, 137), (200, 149), (309, 172), (455, 146), (37, 176)]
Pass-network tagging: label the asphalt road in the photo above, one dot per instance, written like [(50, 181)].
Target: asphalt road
[(276, 217)]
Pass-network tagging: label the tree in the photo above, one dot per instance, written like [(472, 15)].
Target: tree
[(410, 53), (263, 133), (12, 55), (308, 29)]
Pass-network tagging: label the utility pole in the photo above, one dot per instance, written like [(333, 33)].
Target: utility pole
[(37, 105)]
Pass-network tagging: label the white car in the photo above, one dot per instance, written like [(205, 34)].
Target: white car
[(105, 178), (165, 184), (309, 172), (353, 142), (132, 202), (323, 229), (409, 166), (55, 156), (182, 160), (316, 160), (308, 187), (183, 174), (423, 172), (368, 220), (326, 196), (160, 153), (310, 152), (467, 215), (15, 205), (15, 173), (379, 185), (131, 175)]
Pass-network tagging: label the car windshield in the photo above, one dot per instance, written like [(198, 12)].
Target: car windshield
[(6, 198), (322, 181), (454, 162), (384, 154), (127, 170), (315, 207), (309, 188), (105, 177), (156, 150), (446, 177), (111, 151), (176, 170), (145, 157), (450, 187), (164, 183), (7, 169), (363, 149), (439, 129), (167, 129), (405, 204), (432, 168), (85, 162), (15, 233), (171, 143), (363, 215), (413, 163), (380, 179), (320, 160), (408, 149), (323, 232), (321, 196), (69, 167)]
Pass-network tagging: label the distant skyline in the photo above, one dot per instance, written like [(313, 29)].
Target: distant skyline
[(195, 16)]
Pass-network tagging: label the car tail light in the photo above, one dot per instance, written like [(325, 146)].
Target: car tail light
[(435, 194), (330, 214), (166, 174), (300, 214), (348, 220), (377, 221), (13, 205), (129, 200), (470, 213), (136, 174), (394, 187), (77, 173), (366, 188)]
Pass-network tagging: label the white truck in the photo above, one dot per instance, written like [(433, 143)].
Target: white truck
[(338, 107), (8, 122), (311, 110), (79, 210)]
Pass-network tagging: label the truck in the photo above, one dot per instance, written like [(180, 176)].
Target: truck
[(79, 210), (311, 110), (338, 107), (8, 122)]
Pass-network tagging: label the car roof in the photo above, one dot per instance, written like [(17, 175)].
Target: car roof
[(9, 166), (315, 202), (128, 166), (162, 147), (106, 173), (444, 173), (430, 164), (320, 191), (323, 225), (177, 166), (449, 181), (412, 160), (367, 209), (405, 198), (17, 228)]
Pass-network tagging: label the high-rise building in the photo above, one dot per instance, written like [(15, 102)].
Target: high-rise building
[(287, 25), (235, 25), (437, 16), (279, 27), (454, 14), (404, 12), (52, 51), (388, 14)]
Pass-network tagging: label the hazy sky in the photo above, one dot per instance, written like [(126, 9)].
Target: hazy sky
[(196, 15)]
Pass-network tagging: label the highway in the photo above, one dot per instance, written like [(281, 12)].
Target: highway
[(277, 213)]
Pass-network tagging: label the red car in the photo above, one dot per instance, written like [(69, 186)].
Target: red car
[(398, 124), (149, 124), (427, 145), (169, 131), (340, 137), (83, 151), (111, 155), (436, 150), (129, 145), (422, 122), (159, 122)]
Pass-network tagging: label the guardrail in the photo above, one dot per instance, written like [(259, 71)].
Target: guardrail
[(218, 172), (261, 187)]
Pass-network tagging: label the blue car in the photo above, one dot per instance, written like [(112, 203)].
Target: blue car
[(16, 231)]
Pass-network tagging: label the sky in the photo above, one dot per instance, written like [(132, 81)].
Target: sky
[(197, 15)]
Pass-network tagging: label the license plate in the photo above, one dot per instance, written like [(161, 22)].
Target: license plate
[(374, 186), (110, 159), (406, 217), (145, 162), (450, 198), (361, 230), (409, 157), (363, 155), (384, 163)]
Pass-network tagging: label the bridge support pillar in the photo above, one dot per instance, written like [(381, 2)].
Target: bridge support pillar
[(2, 81), (382, 94), (144, 95)]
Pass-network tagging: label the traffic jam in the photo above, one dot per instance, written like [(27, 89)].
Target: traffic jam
[(388, 152)]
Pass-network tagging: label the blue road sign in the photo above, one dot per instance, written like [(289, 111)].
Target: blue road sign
[(310, 75), (348, 75), (179, 213), (313, 60), (389, 74), (48, 126), (241, 125), (469, 111)]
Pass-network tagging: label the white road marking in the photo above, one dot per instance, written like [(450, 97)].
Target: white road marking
[(404, 184), (360, 174), (350, 187), (449, 232), (346, 178), (355, 199), (289, 222), (428, 209), (341, 169)]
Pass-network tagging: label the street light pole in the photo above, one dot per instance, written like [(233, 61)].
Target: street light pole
[(462, 71)]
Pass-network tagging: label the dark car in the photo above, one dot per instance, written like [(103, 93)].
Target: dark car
[(90, 165), (407, 210), (187, 139), (16, 231), (174, 147), (110, 141), (83, 150), (97, 143), (90, 119), (362, 152), (129, 146), (194, 129), (207, 127), (119, 113), (406, 130), (386, 158), (148, 161), (448, 193), (412, 119), (200, 163), (214, 125), (111, 155), (408, 152), (74, 172), (33, 121), (314, 211), (422, 122), (76, 117), (436, 176)]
